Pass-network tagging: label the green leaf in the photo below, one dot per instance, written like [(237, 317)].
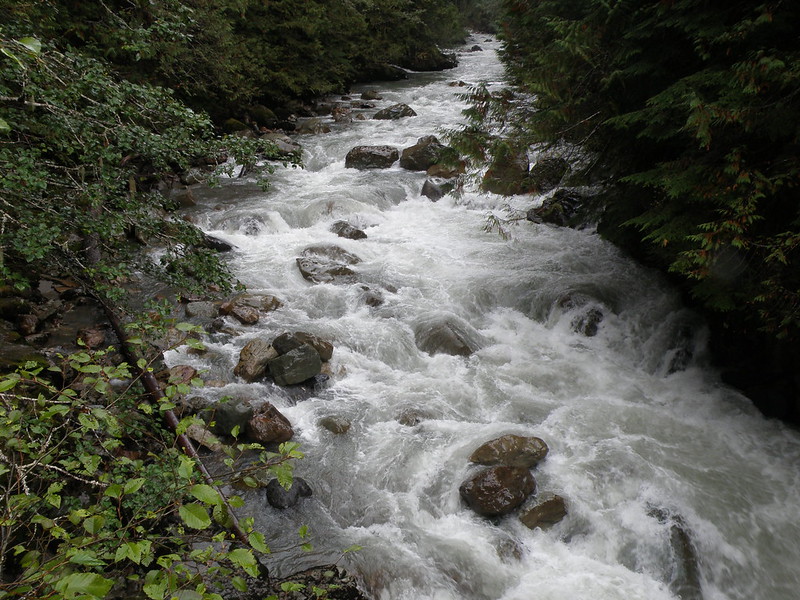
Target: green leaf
[(9, 382), (205, 493), (239, 583), (292, 586), (31, 44), (258, 542), (195, 516), (134, 485), (86, 558), (114, 491), (90, 584), (186, 468), (4, 126), (94, 524), (243, 557)]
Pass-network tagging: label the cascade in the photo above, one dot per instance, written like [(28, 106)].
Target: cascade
[(674, 483)]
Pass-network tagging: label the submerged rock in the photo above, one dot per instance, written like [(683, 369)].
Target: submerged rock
[(335, 424), (445, 337), (344, 230), (327, 263), (549, 509), (511, 450), (684, 579), (371, 157), (497, 491), (278, 497)]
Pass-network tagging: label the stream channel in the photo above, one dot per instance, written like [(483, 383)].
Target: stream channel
[(639, 450)]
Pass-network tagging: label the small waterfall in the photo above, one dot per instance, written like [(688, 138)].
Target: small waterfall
[(672, 480)]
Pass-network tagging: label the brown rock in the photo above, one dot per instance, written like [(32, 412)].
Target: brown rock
[(93, 337), (253, 360), (27, 324), (549, 510), (246, 315), (511, 450), (334, 424), (268, 425), (497, 491)]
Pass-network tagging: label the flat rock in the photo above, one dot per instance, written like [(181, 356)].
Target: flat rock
[(549, 510)]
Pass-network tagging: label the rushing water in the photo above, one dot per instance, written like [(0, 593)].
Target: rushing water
[(627, 436)]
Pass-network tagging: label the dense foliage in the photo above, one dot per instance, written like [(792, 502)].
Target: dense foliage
[(688, 111)]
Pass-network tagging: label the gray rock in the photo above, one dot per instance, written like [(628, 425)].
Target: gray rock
[(547, 173), (235, 412), (561, 209), (371, 95), (396, 111), (549, 510), (296, 366), (432, 191), (203, 309), (445, 337), (344, 230), (497, 491), (283, 142), (253, 360), (326, 263), (371, 157), (278, 497), (511, 450), (269, 426), (287, 342), (311, 125), (334, 424), (425, 153)]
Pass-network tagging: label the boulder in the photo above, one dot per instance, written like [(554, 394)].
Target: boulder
[(344, 230), (279, 497), (269, 426), (588, 322), (296, 366), (92, 337), (560, 209), (497, 491), (476, 48), (334, 424), (230, 414), (202, 310), (446, 171), (286, 342), (445, 337), (212, 243), (327, 263), (384, 72), (684, 579), (371, 157), (342, 114), (549, 510), (430, 59), (283, 142), (246, 315), (547, 173), (511, 450), (234, 126), (311, 125), (507, 174), (253, 360), (371, 296), (422, 155), (371, 95), (396, 111), (27, 324), (262, 116)]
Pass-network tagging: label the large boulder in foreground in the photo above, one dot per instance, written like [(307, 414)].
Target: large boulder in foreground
[(425, 153), (396, 111), (327, 263), (497, 491), (269, 426), (511, 450), (371, 157)]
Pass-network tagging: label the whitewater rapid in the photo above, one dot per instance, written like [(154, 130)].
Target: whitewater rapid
[(627, 435)]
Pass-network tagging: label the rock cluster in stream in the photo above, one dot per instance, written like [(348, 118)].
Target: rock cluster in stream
[(506, 482)]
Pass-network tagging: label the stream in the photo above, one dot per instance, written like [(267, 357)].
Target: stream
[(645, 440)]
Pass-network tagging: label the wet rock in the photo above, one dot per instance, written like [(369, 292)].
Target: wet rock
[(446, 171), (384, 72), (371, 296), (278, 497), (202, 309), (283, 142), (27, 324), (458, 83), (507, 174), (246, 315), (253, 360), (92, 337), (549, 510), (476, 48), (684, 579), (435, 190), (287, 342), (547, 173), (262, 116), (371, 95), (342, 114), (311, 125), (588, 322), (561, 209), (511, 450), (269, 426), (430, 59), (327, 263), (12, 307), (411, 417), (213, 243), (396, 111), (344, 230), (445, 337), (296, 366), (234, 126), (179, 374), (334, 424), (229, 415), (497, 491), (371, 157), (426, 152)]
